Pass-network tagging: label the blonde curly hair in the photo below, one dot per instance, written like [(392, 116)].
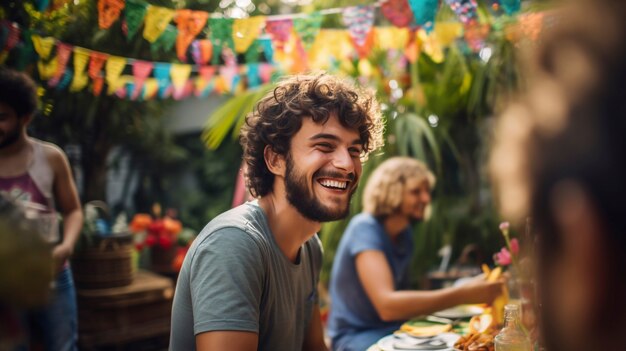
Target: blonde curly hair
[(386, 186)]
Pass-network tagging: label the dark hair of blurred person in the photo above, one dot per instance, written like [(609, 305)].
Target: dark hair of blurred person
[(559, 157)]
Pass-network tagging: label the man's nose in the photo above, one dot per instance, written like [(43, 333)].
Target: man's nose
[(343, 160)]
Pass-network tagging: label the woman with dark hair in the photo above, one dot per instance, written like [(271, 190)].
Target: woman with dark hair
[(559, 157)]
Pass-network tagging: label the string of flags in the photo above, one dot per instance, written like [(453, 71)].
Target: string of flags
[(209, 47), (137, 79)]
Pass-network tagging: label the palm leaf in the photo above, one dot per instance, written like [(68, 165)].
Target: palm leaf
[(231, 114)]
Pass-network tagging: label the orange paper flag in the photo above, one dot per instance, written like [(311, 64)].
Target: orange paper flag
[(190, 24), (108, 12)]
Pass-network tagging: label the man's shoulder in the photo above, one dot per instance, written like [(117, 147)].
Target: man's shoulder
[(239, 223), (54, 154)]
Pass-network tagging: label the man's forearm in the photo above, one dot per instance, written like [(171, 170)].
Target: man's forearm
[(72, 226), (406, 304)]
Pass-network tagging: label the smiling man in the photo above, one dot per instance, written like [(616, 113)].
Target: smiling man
[(369, 284), (249, 281)]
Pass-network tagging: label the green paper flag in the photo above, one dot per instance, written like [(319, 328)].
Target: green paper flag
[(221, 34), (308, 27), (134, 12), (252, 54), (166, 40)]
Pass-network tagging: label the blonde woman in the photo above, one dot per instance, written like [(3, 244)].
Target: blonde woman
[(369, 280)]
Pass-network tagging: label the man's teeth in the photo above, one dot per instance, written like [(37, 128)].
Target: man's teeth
[(334, 184)]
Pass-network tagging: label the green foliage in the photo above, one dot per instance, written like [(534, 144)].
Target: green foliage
[(231, 116)]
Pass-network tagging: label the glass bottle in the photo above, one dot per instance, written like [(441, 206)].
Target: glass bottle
[(512, 337)]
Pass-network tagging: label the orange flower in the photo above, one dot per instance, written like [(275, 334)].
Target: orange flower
[(140, 222), (172, 226)]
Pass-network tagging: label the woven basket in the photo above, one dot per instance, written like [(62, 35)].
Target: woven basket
[(108, 265)]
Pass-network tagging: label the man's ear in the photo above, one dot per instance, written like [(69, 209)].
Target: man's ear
[(274, 161)]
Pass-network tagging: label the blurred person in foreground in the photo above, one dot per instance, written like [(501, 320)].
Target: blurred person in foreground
[(26, 271), (249, 281), (560, 156), (37, 175), (369, 286)]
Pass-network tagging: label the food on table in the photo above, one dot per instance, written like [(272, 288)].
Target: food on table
[(482, 324), (425, 330), (476, 342)]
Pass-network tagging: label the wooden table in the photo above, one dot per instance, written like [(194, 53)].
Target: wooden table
[(118, 316)]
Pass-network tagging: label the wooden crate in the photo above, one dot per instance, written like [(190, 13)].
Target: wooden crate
[(118, 316)]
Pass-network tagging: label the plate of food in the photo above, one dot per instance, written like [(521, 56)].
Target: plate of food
[(405, 342), (460, 312), (476, 342)]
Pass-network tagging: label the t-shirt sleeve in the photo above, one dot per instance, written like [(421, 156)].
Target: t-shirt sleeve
[(226, 280), (363, 236)]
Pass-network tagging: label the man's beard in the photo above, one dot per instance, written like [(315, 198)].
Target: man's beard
[(305, 202), (10, 138)]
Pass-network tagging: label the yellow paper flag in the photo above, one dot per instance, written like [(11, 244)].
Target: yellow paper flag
[(447, 32), (431, 46), (151, 87), (156, 20), (329, 43), (392, 38), (47, 70), (114, 67), (43, 46), (180, 74), (245, 31), (80, 80)]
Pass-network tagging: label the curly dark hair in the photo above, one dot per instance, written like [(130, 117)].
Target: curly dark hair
[(19, 91), (278, 116)]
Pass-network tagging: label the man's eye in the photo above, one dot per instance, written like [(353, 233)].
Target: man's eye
[(355, 152), (324, 147)]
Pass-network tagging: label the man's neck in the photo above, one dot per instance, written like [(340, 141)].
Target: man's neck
[(19, 146), (289, 227), (395, 224)]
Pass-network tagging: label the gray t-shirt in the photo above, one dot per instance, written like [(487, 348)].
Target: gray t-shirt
[(235, 277)]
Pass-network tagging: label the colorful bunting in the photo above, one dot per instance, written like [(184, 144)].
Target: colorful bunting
[(253, 75), (279, 31), (245, 32), (190, 23), (134, 12), (141, 71), (464, 9), (308, 27), (108, 12), (392, 38), (510, 6), (81, 57), (252, 54), (65, 80), (424, 12), (63, 55), (360, 20), (179, 74), (156, 21), (221, 34), (166, 40), (398, 12), (47, 69), (162, 75), (201, 51), (97, 60), (151, 88), (114, 67), (43, 46)]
